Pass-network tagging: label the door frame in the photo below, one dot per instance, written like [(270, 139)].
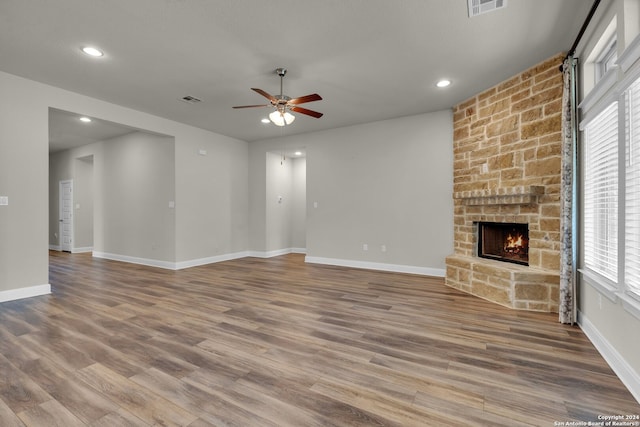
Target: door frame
[(61, 223)]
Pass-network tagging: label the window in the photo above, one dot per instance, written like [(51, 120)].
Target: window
[(607, 59), (610, 169), (632, 189), (601, 194), (612, 164)]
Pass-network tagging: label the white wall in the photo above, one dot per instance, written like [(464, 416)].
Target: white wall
[(279, 202), (83, 190), (282, 221), (299, 204), (212, 202), (379, 183), (384, 183), (24, 153), (136, 186), (135, 181), (132, 184), (24, 168)]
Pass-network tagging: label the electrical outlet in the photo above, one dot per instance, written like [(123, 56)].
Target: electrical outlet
[(383, 248), (365, 247)]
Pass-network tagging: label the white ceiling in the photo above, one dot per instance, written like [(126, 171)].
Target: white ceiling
[(67, 131), (369, 59)]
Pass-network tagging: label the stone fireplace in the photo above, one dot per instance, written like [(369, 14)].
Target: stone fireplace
[(507, 148)]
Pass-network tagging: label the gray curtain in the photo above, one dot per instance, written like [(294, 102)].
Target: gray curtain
[(567, 303)]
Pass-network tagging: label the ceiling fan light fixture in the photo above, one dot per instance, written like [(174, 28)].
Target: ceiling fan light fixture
[(282, 104), (279, 118)]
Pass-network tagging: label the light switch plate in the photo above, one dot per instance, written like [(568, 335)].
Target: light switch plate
[(4, 200)]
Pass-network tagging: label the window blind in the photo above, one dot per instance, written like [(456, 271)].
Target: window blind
[(632, 189), (601, 194)]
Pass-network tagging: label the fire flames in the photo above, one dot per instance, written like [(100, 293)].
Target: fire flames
[(514, 244)]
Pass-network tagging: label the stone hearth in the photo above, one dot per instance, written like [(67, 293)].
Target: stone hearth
[(511, 285), (507, 148)]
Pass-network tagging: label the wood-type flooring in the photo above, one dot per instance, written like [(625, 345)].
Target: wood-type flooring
[(277, 342)]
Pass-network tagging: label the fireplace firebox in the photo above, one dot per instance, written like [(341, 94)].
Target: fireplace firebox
[(508, 242)]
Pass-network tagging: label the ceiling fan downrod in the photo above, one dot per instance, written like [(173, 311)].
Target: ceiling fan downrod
[(281, 72)]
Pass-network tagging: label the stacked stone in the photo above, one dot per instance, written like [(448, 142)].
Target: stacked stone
[(507, 158)]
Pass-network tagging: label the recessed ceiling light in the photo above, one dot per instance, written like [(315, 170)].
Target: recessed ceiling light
[(443, 83), (85, 119), (265, 120), (92, 51), (298, 153)]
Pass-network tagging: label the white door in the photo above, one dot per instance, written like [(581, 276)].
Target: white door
[(66, 215)]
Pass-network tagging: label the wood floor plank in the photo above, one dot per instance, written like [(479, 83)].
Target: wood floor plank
[(50, 413), (80, 399), (143, 403), (8, 417), (14, 350), (57, 349), (18, 390), (278, 342), (121, 418), (228, 406), (382, 409), (473, 415), (194, 399)]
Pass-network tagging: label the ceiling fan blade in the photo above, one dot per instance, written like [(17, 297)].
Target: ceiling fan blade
[(252, 106), (306, 98), (265, 94), (307, 112)]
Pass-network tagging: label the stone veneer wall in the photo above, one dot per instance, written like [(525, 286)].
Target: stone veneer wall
[(507, 155)]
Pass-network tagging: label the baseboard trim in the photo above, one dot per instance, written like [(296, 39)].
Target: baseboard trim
[(28, 292), (396, 268), (623, 370), (210, 260), (277, 252), (195, 262), (55, 248), (82, 250), (135, 260)]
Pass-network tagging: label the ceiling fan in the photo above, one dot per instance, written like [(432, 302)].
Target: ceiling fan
[(283, 104)]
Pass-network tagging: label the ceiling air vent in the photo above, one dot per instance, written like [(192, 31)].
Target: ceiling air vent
[(478, 7), (190, 99)]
